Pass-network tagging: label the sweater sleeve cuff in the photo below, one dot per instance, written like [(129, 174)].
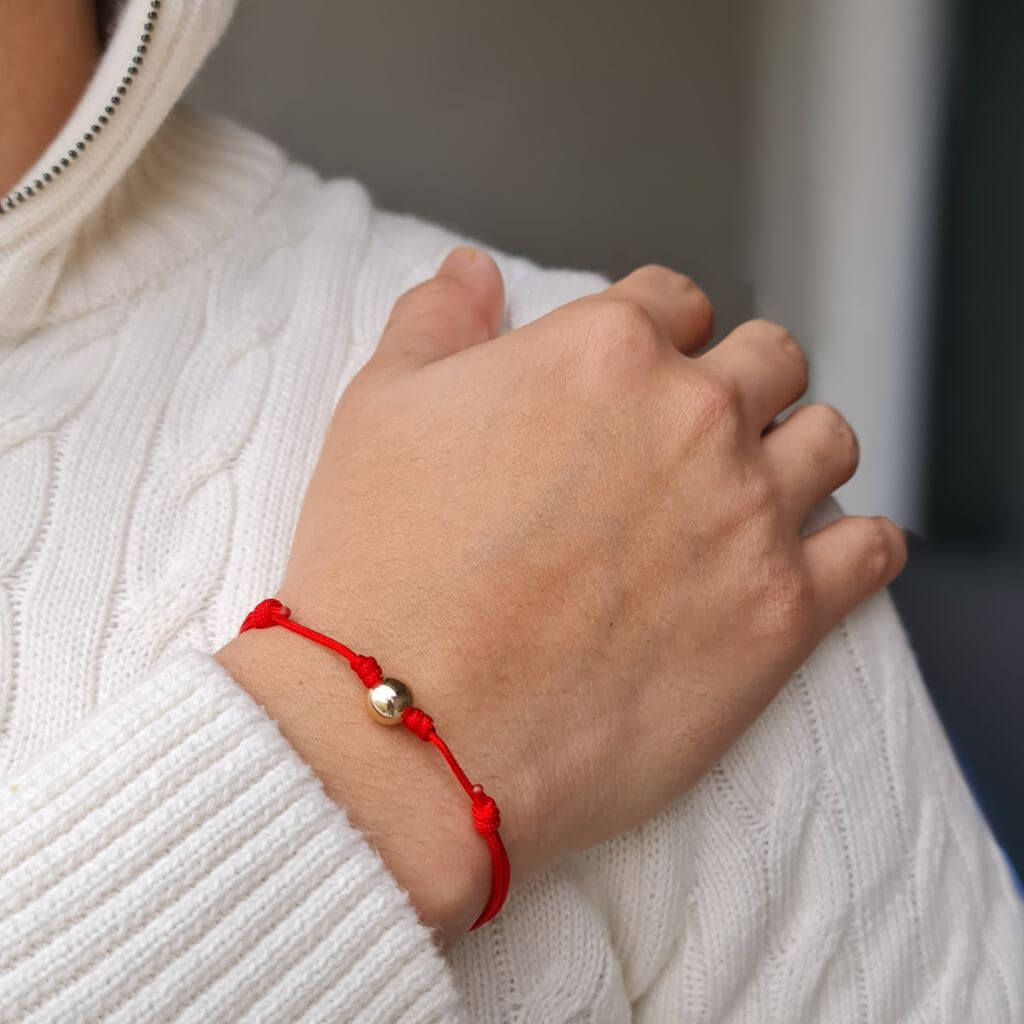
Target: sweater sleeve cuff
[(175, 858)]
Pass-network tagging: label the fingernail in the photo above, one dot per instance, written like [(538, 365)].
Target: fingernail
[(459, 258)]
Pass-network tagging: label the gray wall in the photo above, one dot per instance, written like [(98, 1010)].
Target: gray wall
[(593, 134)]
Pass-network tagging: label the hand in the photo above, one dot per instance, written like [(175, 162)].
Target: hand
[(578, 545)]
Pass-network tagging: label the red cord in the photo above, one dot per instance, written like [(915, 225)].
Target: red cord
[(486, 819)]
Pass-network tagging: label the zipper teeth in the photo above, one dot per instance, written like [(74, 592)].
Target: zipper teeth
[(15, 199)]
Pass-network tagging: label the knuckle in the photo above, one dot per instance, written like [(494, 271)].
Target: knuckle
[(614, 342), (621, 332), (621, 318), (791, 350), (779, 336), (837, 435), (703, 313), (765, 328), (782, 338), (877, 547), (715, 401), (683, 290)]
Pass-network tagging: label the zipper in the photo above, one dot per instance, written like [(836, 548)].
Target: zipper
[(15, 199)]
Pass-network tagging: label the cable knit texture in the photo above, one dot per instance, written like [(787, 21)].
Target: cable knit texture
[(179, 312)]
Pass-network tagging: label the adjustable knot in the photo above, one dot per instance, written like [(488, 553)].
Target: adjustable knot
[(418, 722), (367, 669), (267, 613), (486, 818)]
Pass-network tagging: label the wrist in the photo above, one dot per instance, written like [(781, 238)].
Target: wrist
[(401, 798)]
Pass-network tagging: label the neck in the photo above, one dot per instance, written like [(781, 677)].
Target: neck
[(48, 51)]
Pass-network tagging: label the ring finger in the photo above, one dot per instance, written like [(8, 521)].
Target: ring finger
[(811, 453)]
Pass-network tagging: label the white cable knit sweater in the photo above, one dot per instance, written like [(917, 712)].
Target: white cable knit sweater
[(179, 310)]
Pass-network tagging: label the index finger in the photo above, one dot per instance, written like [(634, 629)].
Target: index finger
[(678, 306)]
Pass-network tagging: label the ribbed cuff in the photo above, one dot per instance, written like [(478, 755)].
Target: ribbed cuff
[(175, 858)]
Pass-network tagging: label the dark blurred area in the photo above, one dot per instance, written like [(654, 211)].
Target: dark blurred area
[(962, 595)]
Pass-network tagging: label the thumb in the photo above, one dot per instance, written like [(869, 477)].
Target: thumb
[(460, 306)]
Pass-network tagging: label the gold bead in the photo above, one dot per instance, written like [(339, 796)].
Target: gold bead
[(388, 699)]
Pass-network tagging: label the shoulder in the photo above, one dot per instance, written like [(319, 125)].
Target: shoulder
[(332, 228)]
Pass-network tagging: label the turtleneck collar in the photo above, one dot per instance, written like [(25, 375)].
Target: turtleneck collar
[(119, 155)]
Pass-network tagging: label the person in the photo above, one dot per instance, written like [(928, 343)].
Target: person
[(594, 551)]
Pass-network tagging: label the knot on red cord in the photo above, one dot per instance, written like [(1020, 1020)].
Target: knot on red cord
[(267, 613), (418, 722), (486, 819), (367, 669)]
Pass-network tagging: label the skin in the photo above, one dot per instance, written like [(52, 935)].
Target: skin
[(578, 542), (48, 52)]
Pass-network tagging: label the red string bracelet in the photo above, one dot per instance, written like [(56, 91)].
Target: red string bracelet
[(391, 704)]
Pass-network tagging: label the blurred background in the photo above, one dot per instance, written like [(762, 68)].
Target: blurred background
[(852, 168)]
